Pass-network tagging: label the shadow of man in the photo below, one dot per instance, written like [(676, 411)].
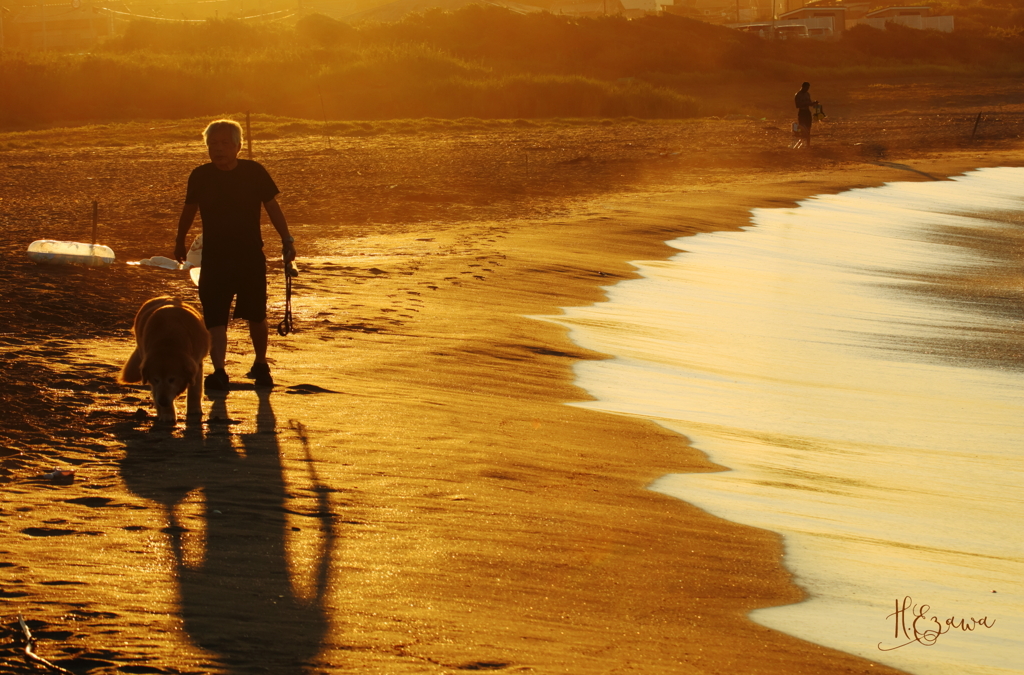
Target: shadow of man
[(225, 499)]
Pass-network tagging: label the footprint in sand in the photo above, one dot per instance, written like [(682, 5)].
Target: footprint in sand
[(55, 532), (305, 389), (91, 502)]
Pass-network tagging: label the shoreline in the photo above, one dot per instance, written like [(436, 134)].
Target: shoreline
[(469, 518), (627, 308), (711, 213)]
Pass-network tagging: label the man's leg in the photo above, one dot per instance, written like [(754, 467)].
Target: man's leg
[(218, 346), (218, 379), (805, 120), (215, 296), (259, 333)]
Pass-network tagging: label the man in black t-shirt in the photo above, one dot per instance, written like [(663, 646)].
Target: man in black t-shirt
[(229, 194)]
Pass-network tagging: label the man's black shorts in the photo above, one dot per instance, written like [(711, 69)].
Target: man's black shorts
[(246, 284)]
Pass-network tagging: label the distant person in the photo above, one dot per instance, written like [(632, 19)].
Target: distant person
[(803, 116), (229, 193)]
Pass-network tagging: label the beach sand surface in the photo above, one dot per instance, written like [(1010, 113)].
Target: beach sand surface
[(413, 496)]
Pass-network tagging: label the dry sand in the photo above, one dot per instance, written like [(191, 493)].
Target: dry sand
[(414, 496)]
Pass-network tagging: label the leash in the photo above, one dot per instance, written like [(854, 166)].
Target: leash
[(285, 326)]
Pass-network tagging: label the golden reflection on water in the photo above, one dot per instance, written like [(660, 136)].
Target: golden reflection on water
[(855, 362)]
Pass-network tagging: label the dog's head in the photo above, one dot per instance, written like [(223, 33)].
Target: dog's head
[(167, 380)]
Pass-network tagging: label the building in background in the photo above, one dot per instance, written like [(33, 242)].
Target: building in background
[(912, 17), (733, 11), (831, 20), (634, 9), (717, 11), (820, 21)]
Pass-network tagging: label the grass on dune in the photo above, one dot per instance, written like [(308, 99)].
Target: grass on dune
[(479, 62)]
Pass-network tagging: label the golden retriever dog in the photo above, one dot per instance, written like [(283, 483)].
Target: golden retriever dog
[(171, 342)]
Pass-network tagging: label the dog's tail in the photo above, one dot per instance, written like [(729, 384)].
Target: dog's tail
[(131, 373)]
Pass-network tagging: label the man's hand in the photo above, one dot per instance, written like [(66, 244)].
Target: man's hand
[(180, 251), (288, 251)]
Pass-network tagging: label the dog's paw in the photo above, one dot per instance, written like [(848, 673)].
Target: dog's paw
[(167, 418)]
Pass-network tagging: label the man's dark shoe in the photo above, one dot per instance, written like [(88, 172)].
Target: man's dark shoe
[(261, 373), (217, 380)]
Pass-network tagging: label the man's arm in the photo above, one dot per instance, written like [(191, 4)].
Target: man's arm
[(281, 225), (188, 215)]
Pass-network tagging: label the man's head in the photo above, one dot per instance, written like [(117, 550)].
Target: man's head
[(804, 87), (224, 141)]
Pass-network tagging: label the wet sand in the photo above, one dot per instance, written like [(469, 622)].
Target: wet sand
[(837, 357), (413, 496)]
